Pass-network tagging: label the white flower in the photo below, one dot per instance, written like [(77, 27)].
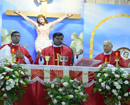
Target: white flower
[(113, 69), (81, 93), (113, 72), (71, 96), (129, 92), (63, 103), (107, 87), (98, 74), (114, 91), (21, 81), (1, 77), (124, 75), (48, 93), (100, 80), (8, 88), (116, 94), (22, 72), (79, 87), (52, 85), (16, 80), (118, 86), (8, 69), (126, 94), (5, 95), (76, 91), (60, 90), (4, 73), (122, 69), (71, 80), (126, 82), (106, 75), (3, 89), (11, 85), (54, 101), (116, 83), (13, 76), (102, 84), (65, 83), (104, 69), (119, 97), (51, 96), (116, 75)]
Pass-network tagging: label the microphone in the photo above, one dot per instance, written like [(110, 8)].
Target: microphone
[(72, 55)]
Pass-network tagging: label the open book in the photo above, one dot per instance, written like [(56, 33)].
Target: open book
[(87, 62)]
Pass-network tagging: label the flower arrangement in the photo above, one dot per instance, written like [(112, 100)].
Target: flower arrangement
[(12, 79), (113, 84), (65, 91)]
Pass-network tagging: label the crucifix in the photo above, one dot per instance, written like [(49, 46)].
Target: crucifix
[(44, 12)]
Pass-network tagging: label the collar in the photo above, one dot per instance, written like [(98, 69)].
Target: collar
[(107, 53), (56, 45), (15, 44)]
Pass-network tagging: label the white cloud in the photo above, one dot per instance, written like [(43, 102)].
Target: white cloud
[(25, 5), (65, 6)]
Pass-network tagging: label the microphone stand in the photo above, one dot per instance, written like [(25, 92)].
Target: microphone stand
[(72, 55)]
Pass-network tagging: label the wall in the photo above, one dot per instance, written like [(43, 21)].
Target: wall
[(109, 1)]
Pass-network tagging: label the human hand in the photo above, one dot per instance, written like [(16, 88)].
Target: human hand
[(18, 12), (79, 52), (19, 54), (68, 15)]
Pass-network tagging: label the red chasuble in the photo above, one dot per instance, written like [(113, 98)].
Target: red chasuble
[(110, 59), (55, 53), (22, 50), (126, 62)]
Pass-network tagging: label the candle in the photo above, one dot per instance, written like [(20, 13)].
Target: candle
[(13, 51), (117, 54)]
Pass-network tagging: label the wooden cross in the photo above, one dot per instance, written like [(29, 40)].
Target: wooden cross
[(44, 12)]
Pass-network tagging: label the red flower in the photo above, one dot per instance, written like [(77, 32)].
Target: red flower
[(7, 73), (60, 85), (73, 102), (104, 72), (79, 83), (24, 76), (109, 95), (16, 91), (94, 79), (10, 66), (128, 79), (128, 89), (81, 100)]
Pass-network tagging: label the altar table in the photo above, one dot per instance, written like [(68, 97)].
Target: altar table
[(35, 92)]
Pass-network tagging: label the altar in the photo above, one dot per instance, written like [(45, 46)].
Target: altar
[(35, 92)]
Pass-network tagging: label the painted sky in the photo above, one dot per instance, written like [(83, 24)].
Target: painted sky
[(1, 2), (115, 29), (67, 26)]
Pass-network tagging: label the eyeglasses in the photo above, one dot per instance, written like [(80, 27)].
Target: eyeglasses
[(16, 36)]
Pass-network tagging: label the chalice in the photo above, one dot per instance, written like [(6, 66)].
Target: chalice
[(117, 54), (13, 51), (47, 58)]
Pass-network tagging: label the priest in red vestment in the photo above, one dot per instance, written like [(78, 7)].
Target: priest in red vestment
[(108, 56), (22, 55), (55, 51), (126, 59)]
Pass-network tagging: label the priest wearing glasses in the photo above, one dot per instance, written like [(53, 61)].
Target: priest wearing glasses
[(21, 54)]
